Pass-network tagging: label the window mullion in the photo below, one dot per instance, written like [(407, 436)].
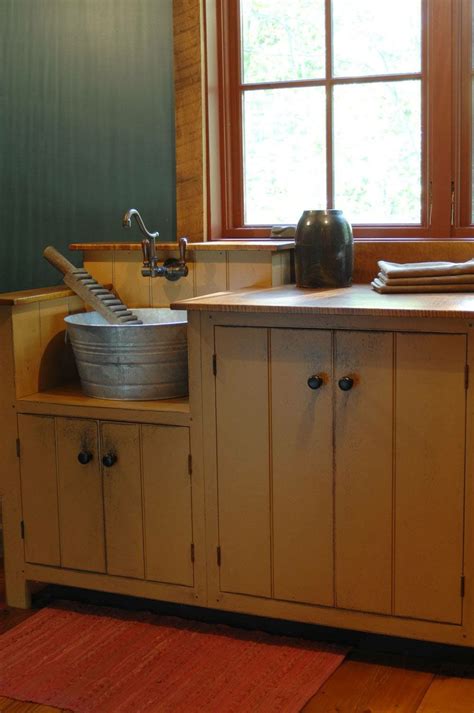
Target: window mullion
[(439, 148), (329, 110)]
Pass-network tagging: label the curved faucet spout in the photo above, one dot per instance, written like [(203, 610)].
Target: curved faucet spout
[(127, 223)]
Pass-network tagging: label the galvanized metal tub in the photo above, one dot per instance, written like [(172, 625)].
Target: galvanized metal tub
[(131, 361)]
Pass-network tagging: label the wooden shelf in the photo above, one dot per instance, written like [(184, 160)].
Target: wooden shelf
[(68, 400)]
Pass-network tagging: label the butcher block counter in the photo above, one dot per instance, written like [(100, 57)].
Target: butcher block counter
[(336, 430)]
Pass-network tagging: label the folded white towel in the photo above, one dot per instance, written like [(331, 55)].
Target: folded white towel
[(383, 288), (425, 269), (434, 280)]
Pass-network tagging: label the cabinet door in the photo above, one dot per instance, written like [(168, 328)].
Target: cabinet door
[(168, 504), (429, 494), (39, 489), (363, 470), (243, 465), (81, 507), (123, 499), (302, 465)]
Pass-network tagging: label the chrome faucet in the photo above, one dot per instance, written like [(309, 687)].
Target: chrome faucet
[(172, 268)]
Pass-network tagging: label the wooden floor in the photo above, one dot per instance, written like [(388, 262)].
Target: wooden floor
[(368, 681)]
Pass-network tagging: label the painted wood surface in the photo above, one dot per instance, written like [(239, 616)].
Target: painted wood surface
[(243, 460), (359, 300), (167, 502), (81, 506), (123, 499), (39, 489), (87, 126), (363, 471), (429, 461), (302, 466)]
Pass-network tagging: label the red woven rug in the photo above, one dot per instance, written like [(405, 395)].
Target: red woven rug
[(97, 660)]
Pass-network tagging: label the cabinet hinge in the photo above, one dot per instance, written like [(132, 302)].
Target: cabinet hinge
[(192, 552), (22, 530), (214, 364), (463, 585), (219, 556), (466, 376), (17, 447), (190, 464)]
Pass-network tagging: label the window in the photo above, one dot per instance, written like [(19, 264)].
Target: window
[(363, 106)]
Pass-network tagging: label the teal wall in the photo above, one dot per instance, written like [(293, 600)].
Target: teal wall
[(86, 127)]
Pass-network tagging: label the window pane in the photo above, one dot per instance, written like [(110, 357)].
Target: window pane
[(282, 40), (377, 152), (372, 37), (284, 154)]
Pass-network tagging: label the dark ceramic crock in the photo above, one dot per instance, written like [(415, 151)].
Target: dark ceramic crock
[(323, 249)]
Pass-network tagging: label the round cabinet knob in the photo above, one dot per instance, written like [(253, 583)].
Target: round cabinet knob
[(84, 457), (346, 383), (315, 382), (109, 459)]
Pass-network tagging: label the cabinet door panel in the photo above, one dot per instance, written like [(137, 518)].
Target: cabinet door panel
[(363, 472), (39, 489), (123, 500), (168, 508), (302, 466), (243, 459), (430, 437), (81, 504)]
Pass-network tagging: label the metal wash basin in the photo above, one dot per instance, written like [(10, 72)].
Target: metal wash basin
[(131, 361)]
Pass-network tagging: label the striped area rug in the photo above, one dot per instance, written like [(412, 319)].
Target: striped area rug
[(99, 660)]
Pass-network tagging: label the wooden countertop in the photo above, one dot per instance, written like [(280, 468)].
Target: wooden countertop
[(358, 300), (262, 245), (39, 294)]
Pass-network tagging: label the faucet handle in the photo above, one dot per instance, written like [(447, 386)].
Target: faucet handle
[(183, 244)]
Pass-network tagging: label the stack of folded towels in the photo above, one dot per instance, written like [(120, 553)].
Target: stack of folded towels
[(424, 277)]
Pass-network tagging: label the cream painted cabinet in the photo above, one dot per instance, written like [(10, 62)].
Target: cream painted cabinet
[(107, 497), (340, 468)]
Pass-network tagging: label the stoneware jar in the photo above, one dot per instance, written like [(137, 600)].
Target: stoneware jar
[(323, 249)]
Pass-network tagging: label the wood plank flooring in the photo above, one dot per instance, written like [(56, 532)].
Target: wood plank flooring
[(367, 681)]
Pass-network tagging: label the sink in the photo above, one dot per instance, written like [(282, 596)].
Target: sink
[(131, 361)]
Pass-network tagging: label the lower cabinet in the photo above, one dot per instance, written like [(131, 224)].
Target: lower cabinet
[(340, 468), (107, 497)]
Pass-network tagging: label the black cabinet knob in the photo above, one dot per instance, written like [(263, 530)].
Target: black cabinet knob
[(109, 459), (315, 381), (84, 457), (346, 383)]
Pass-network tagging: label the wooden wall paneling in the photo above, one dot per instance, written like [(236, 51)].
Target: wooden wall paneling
[(167, 498), (430, 451), (243, 460), (27, 348), (210, 272), (249, 268), (129, 284), (57, 361), (81, 507), (363, 471), (123, 499), (39, 489), (17, 590), (189, 123), (302, 464), (281, 268), (95, 82), (100, 264)]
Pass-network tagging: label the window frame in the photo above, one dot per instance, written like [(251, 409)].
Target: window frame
[(446, 120)]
